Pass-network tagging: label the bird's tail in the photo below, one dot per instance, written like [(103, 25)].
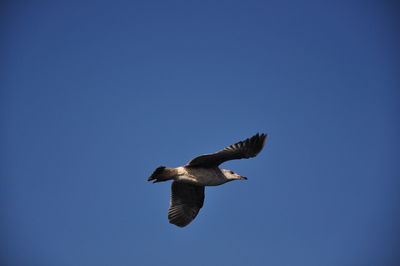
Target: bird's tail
[(162, 173)]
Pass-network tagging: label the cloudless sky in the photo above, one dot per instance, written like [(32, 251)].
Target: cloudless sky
[(94, 96)]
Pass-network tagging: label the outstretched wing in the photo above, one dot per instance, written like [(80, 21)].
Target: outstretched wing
[(242, 150), (186, 202)]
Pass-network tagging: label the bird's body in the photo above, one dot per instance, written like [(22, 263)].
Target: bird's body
[(187, 195), (200, 176)]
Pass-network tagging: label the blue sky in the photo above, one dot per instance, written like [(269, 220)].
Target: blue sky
[(95, 96)]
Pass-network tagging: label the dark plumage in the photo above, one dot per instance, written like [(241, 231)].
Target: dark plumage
[(156, 173), (241, 150), (187, 190), (186, 201)]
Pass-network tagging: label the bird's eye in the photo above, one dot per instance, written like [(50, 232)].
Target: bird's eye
[(231, 172)]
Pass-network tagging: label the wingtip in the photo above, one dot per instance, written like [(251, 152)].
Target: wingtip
[(264, 138), (178, 224), (260, 137)]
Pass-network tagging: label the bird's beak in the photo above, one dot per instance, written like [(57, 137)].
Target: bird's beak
[(243, 178)]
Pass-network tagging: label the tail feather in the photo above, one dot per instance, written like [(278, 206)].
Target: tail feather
[(158, 175)]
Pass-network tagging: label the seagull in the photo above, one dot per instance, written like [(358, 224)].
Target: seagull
[(187, 189)]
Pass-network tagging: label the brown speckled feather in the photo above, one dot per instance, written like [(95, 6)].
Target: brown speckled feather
[(241, 150), (186, 202)]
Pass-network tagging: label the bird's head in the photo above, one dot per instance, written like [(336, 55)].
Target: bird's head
[(230, 175)]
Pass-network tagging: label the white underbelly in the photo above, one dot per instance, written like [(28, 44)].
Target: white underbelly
[(201, 176)]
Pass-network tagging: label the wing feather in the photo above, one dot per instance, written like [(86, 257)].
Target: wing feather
[(245, 149), (186, 202)]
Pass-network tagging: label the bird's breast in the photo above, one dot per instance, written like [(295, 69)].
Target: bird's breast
[(201, 176)]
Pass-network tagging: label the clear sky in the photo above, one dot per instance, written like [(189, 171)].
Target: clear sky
[(94, 96)]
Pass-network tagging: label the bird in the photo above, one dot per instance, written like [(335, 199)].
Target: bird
[(187, 188)]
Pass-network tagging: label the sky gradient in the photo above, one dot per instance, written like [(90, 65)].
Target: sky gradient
[(94, 97)]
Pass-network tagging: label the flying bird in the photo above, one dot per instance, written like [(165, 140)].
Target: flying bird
[(187, 189)]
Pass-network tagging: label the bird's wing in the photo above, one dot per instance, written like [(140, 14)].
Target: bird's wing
[(186, 202), (245, 149)]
